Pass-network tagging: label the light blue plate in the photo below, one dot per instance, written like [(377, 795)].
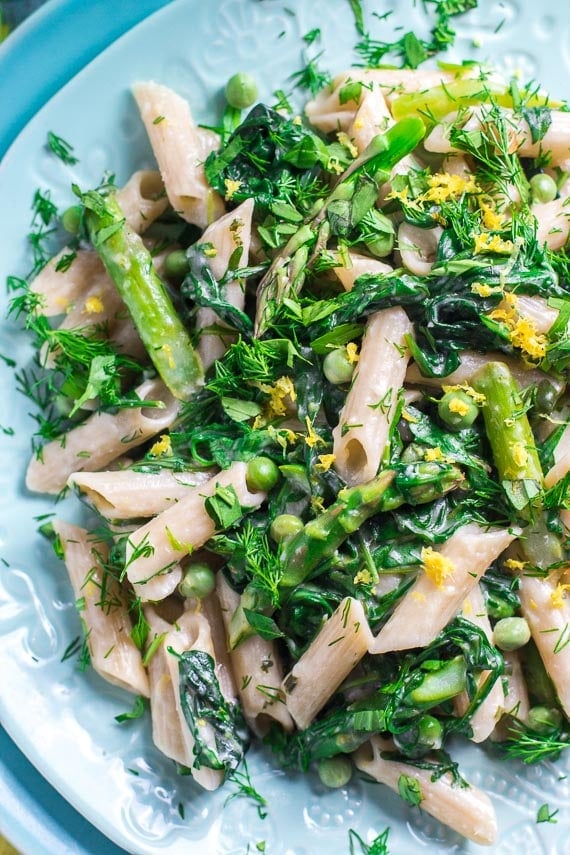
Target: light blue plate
[(63, 720)]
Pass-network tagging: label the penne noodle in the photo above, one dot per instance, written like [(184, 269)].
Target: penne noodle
[(230, 232), (154, 548), (100, 439), (465, 809), (359, 265), (361, 436), (103, 609), (180, 148), (487, 715), (431, 603), (257, 669), (340, 645), (142, 199), (547, 612), (418, 247), (129, 494), (471, 362), (561, 460)]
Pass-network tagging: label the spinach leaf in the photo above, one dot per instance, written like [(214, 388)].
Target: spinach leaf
[(217, 725)]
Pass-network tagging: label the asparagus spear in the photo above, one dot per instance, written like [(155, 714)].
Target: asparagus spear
[(321, 537), (130, 266), (350, 200), (510, 434), (516, 459), (415, 483)]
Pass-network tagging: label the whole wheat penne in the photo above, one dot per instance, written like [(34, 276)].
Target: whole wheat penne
[(472, 361), (257, 670), (226, 235), (485, 718), (161, 542), (441, 587), (103, 608), (180, 148), (359, 440), (547, 612), (466, 809), (357, 265), (340, 645), (128, 494), (100, 439)]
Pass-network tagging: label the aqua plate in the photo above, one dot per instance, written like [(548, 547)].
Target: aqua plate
[(64, 720)]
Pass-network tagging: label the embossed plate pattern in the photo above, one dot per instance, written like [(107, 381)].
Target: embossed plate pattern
[(64, 720)]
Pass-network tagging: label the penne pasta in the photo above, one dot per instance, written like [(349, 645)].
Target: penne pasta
[(330, 657), (361, 436), (466, 556), (103, 437), (157, 546), (103, 608), (180, 148), (129, 494), (465, 809), (485, 718), (257, 669)]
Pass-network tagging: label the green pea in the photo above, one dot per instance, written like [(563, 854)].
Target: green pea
[(544, 720), (457, 410), (425, 736), (543, 187), (546, 397), (198, 581), (284, 526), (176, 264), (71, 219), (337, 367), (335, 771), (510, 633), (430, 732), (261, 474), (241, 90)]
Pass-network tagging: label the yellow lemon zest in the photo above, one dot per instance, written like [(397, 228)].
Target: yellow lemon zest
[(457, 405), (520, 454), (437, 567), (312, 438), (558, 595), (408, 417), (325, 462), (487, 242), (162, 447), (231, 188), (446, 185), (94, 305), (467, 607), (347, 143), (434, 454), (363, 577), (478, 397), (418, 596), (484, 290), (514, 564), (352, 353), (491, 219), (521, 330)]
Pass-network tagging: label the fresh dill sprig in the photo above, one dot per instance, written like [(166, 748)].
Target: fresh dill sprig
[(379, 845), (61, 148), (411, 50), (245, 789), (311, 77), (531, 747)]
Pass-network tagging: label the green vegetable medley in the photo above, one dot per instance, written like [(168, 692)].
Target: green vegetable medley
[(451, 209)]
